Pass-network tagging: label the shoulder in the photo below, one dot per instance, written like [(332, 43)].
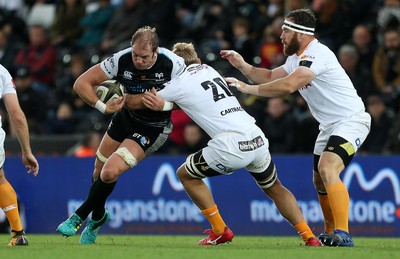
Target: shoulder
[(3, 70), (121, 56), (319, 50), (4, 73), (164, 53), (125, 53)]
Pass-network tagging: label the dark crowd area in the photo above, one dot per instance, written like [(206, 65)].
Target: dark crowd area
[(46, 45)]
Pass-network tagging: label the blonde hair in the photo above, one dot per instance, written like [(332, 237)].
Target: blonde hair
[(186, 51)]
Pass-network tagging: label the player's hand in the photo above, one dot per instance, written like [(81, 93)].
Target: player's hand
[(31, 163), (241, 86), (153, 101), (115, 105), (233, 57)]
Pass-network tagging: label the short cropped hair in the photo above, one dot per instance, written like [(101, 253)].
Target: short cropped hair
[(148, 35), (186, 51), (304, 17)]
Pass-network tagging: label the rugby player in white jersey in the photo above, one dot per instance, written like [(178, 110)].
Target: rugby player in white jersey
[(236, 143), (313, 70), (8, 197)]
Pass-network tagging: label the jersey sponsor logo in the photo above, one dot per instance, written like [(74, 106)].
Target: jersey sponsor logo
[(135, 89), (230, 110), (143, 140), (128, 75), (307, 56), (250, 145), (305, 63)]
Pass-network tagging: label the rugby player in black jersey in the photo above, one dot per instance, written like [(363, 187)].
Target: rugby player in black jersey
[(132, 134)]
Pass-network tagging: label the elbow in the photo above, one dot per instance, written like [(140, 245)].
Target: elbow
[(77, 87), (18, 118), (289, 89)]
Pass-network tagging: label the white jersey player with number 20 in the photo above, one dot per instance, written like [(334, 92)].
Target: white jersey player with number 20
[(236, 143)]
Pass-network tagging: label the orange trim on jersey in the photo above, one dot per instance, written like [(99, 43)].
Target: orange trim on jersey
[(305, 47)]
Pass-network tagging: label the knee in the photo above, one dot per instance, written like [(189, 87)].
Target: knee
[(182, 175), (274, 189), (109, 174), (318, 183), (326, 171)]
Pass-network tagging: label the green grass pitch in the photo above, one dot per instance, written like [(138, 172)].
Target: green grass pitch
[(160, 246)]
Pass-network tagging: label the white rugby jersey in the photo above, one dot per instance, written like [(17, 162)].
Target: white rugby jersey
[(7, 85), (331, 95), (205, 97)]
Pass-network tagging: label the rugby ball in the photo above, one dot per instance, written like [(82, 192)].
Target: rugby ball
[(109, 90)]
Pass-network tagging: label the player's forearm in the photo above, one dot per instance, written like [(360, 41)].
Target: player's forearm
[(256, 75), (86, 93), (21, 130), (273, 89)]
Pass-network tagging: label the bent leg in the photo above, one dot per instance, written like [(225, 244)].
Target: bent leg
[(191, 174), (284, 201), (196, 189), (125, 157), (106, 148), (201, 195)]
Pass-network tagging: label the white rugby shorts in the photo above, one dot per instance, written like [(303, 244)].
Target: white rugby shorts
[(231, 151), (355, 130)]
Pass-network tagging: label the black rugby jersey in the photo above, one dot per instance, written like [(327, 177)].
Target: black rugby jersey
[(168, 65)]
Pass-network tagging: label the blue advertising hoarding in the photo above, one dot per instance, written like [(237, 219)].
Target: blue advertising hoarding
[(150, 200)]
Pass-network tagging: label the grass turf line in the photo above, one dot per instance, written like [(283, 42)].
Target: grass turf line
[(165, 246)]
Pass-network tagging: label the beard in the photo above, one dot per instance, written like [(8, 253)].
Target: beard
[(291, 47)]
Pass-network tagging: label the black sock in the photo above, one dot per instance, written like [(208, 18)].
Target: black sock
[(96, 200)]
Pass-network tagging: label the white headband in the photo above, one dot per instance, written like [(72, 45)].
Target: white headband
[(298, 28)]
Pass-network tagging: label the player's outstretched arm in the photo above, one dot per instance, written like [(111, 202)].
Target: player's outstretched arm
[(237, 61), (20, 126), (279, 87), (254, 74)]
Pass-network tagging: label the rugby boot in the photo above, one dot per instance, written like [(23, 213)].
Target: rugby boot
[(70, 226), (214, 239), (340, 238), (89, 234), (18, 238)]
